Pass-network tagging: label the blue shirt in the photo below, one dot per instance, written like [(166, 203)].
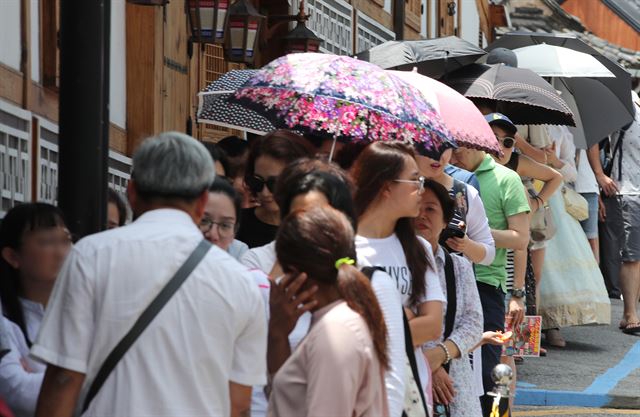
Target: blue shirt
[(463, 175)]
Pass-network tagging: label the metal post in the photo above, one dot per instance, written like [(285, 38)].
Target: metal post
[(502, 375), (398, 19), (84, 114)]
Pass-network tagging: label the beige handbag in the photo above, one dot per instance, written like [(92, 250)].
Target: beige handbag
[(542, 225), (575, 204)]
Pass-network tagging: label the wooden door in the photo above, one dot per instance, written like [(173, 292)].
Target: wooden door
[(447, 10)]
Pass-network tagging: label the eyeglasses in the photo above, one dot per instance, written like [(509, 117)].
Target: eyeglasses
[(419, 183), (507, 142), (225, 229), (256, 183)]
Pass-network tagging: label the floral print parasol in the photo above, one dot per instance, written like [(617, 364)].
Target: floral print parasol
[(344, 98)]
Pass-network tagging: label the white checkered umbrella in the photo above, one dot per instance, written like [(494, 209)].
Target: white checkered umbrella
[(214, 107)]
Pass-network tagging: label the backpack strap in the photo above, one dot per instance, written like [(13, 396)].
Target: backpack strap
[(452, 301), (368, 271)]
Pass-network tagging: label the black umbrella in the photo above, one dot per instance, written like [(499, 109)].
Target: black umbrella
[(521, 94), (432, 57), (620, 85)]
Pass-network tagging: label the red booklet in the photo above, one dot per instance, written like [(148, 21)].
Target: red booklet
[(526, 338)]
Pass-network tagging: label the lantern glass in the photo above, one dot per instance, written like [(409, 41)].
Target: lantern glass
[(208, 19), (302, 39), (243, 27)]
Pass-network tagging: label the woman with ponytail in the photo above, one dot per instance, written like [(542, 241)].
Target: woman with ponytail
[(338, 368), (387, 198)]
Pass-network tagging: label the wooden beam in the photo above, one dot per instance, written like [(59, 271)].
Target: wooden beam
[(485, 22), (25, 53), (144, 40), (459, 15), (49, 43)]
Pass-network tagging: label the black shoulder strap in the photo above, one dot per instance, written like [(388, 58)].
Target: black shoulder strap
[(145, 318), (368, 271), (451, 295)]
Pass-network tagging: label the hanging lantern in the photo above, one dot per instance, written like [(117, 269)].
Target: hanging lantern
[(302, 39), (243, 26), (207, 18)]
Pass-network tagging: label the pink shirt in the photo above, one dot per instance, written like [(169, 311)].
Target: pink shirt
[(333, 372)]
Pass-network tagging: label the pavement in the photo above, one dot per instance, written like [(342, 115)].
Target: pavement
[(600, 367)]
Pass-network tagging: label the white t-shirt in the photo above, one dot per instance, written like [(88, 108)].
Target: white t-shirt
[(388, 254), (264, 257), (586, 181), (212, 331), (260, 257)]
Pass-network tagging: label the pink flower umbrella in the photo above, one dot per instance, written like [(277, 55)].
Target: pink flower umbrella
[(346, 99), (460, 115)]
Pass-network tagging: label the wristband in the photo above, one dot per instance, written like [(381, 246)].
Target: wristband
[(446, 352)]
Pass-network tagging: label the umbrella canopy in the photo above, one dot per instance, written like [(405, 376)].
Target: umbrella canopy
[(519, 93), (598, 111), (432, 57), (620, 85), (344, 98), (557, 61), (214, 107), (461, 116)]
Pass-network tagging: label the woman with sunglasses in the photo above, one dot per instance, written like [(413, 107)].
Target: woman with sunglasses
[(474, 239), (268, 156), (387, 198)]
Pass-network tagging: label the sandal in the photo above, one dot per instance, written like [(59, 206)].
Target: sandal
[(632, 328)]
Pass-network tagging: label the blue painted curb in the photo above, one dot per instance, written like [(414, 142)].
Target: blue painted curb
[(540, 397)]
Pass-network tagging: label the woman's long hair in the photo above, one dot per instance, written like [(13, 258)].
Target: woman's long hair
[(19, 220), (378, 165), (311, 242)]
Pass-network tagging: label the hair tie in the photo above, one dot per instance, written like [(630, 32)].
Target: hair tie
[(343, 261)]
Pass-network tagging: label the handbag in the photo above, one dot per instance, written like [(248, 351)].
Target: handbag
[(542, 226), (575, 204), (145, 319), (442, 410)]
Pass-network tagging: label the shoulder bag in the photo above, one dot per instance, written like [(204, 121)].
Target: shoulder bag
[(145, 319), (575, 204)]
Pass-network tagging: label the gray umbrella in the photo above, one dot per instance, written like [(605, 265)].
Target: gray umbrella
[(519, 93), (215, 108), (432, 57), (620, 86)]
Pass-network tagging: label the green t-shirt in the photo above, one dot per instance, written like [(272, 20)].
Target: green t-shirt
[(503, 196)]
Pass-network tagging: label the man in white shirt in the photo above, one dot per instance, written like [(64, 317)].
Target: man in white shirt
[(207, 346)]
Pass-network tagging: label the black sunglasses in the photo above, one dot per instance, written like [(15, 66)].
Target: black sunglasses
[(256, 183), (507, 142)]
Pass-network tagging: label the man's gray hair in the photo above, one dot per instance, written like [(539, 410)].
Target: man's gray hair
[(172, 165)]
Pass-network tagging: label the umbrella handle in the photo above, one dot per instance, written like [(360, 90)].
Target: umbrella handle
[(333, 147)]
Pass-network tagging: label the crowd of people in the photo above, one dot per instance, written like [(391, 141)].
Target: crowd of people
[(256, 277)]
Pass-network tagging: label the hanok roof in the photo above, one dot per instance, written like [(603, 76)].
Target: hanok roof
[(546, 16)]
